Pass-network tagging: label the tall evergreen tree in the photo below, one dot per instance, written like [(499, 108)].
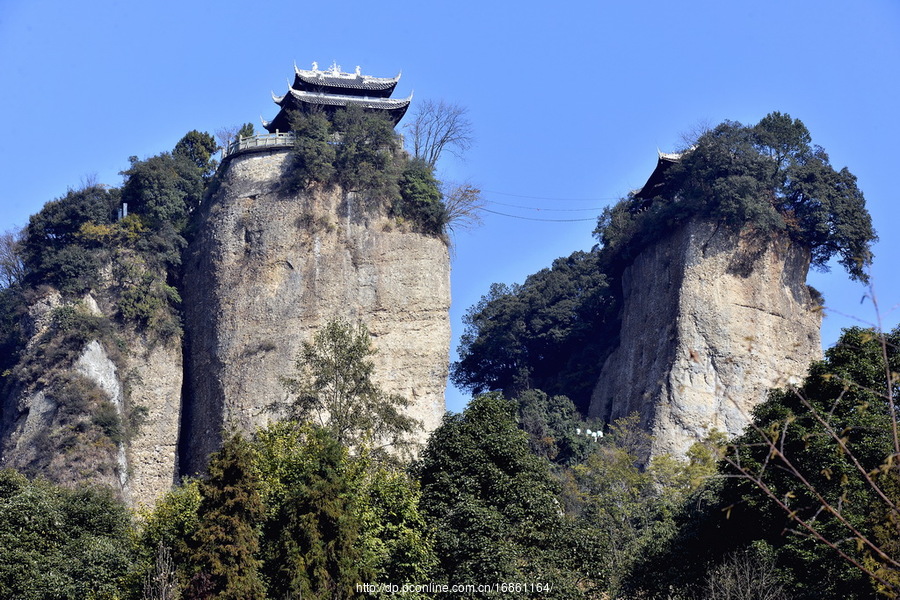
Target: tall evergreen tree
[(226, 542)]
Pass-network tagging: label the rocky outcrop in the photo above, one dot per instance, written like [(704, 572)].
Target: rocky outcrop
[(268, 269), (93, 401), (711, 320)]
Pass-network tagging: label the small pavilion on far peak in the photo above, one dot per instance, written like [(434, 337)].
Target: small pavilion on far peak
[(333, 89)]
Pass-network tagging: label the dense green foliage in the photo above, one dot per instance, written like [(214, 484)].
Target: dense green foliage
[(60, 544), (335, 520), (333, 387), (225, 544), (360, 151), (493, 505), (555, 428), (420, 198), (549, 333), (53, 250), (823, 452), (767, 177)]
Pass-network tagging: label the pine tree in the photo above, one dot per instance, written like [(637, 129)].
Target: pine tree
[(227, 541)]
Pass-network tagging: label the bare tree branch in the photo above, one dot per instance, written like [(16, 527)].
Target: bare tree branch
[(439, 126), (463, 202), (12, 270)]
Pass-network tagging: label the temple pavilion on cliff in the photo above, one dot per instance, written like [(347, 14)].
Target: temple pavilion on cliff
[(333, 89)]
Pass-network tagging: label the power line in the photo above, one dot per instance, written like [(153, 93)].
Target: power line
[(535, 218), (550, 197), (546, 209)]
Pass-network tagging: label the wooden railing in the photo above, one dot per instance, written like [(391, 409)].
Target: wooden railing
[(258, 142)]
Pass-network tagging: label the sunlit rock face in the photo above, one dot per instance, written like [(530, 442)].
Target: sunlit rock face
[(712, 319), (269, 269), (109, 415)]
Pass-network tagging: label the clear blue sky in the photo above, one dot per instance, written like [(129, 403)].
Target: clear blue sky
[(569, 100)]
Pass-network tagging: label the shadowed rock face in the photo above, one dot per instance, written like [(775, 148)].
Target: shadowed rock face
[(266, 271), (712, 320)]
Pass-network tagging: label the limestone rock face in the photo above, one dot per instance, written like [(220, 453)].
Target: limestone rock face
[(267, 270), (711, 321), (155, 373), (56, 422)]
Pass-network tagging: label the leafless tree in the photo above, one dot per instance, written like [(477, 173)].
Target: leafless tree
[(688, 138), (463, 202), (744, 575), (161, 582), (89, 180), (439, 126), (12, 270), (226, 135)]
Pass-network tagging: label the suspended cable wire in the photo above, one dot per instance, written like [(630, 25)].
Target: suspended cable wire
[(535, 218), (550, 197), (545, 209)]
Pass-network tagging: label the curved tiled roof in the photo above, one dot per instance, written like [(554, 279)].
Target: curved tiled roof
[(333, 89), (335, 78), (344, 100)]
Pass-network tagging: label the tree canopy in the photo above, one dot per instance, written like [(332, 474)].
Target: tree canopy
[(546, 333), (493, 504), (766, 176), (334, 388)]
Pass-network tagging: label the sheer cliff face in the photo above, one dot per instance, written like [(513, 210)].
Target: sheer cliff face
[(711, 321), (267, 271), (71, 415)]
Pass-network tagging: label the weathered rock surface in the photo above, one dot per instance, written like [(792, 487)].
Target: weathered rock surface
[(266, 271), (711, 321), (54, 423), (155, 374)]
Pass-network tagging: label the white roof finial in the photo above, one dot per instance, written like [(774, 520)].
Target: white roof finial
[(315, 66), (358, 71)]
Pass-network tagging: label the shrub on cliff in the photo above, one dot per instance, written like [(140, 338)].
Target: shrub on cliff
[(420, 198), (360, 151), (767, 176), (53, 250)]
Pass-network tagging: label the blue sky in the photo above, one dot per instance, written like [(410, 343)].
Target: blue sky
[(569, 100)]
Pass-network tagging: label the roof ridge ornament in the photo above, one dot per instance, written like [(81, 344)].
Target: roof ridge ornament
[(332, 88)]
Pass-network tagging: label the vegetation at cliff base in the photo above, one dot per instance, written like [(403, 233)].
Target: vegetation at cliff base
[(518, 490)]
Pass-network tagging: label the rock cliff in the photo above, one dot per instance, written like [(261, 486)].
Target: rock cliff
[(267, 269), (92, 400), (711, 320)]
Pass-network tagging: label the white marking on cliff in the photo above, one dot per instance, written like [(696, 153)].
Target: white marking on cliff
[(95, 364)]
